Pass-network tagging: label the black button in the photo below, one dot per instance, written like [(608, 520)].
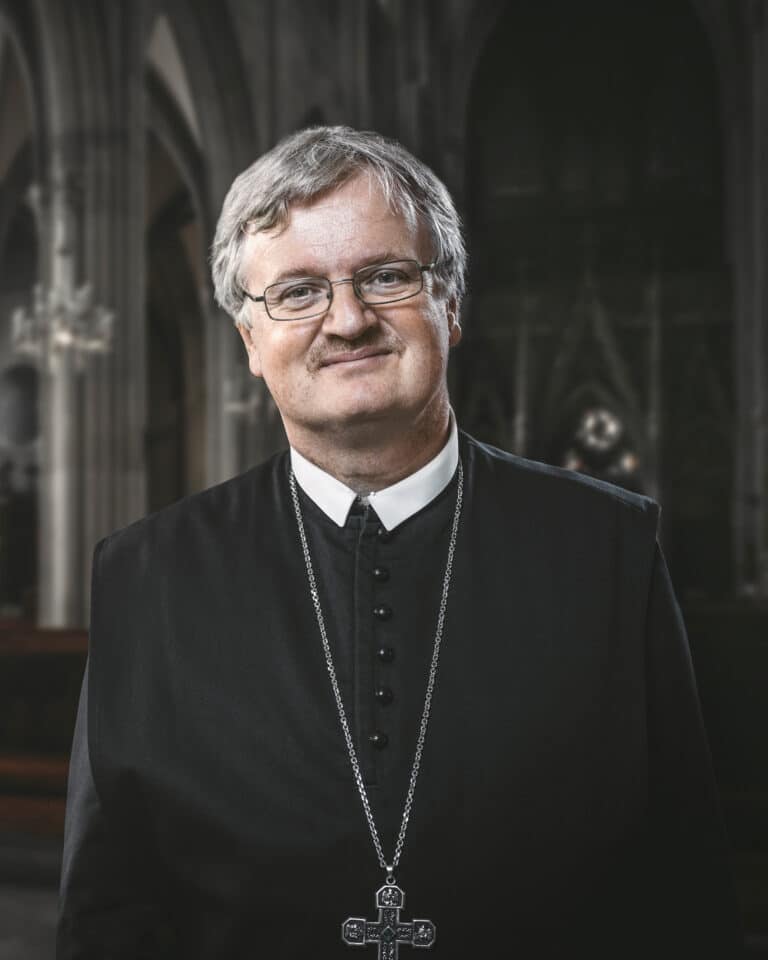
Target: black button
[(381, 574), (382, 612), (379, 740), (385, 654), (384, 696), (383, 534)]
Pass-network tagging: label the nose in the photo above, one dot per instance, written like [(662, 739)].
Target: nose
[(347, 317)]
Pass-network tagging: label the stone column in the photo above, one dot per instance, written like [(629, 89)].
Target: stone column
[(758, 372), (653, 438), (749, 218), (112, 132), (60, 541), (522, 361), (227, 457)]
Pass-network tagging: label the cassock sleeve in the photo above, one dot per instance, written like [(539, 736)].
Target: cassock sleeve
[(694, 901), (108, 907)]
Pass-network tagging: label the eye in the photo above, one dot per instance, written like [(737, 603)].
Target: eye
[(387, 276), (299, 293), (386, 280)]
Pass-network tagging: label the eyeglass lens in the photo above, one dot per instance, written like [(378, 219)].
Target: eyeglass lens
[(378, 283)]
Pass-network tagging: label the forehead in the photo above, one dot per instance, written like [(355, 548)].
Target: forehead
[(337, 232)]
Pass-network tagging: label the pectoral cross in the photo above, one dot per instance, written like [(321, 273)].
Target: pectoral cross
[(389, 931)]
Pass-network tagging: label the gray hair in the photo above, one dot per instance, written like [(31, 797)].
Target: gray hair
[(313, 161)]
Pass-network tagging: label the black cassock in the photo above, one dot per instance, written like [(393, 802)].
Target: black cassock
[(565, 805)]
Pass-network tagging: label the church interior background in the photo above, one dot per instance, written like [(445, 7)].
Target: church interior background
[(610, 161)]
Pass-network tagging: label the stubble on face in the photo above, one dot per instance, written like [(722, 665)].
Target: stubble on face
[(327, 348)]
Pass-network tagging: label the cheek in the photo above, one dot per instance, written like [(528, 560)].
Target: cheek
[(284, 362), (435, 339), (285, 348)]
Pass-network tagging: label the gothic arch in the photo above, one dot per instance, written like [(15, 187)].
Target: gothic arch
[(176, 233), (165, 121), (20, 28), (206, 38), (176, 363), (470, 30)]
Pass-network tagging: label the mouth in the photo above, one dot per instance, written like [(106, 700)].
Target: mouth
[(355, 356)]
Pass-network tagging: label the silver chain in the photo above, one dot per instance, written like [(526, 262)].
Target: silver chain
[(389, 867)]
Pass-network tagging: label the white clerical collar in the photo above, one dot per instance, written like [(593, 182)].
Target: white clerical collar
[(393, 504)]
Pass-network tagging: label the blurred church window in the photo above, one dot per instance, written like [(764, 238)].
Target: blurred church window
[(595, 162), (599, 446)]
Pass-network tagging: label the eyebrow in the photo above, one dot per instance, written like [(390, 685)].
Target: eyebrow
[(295, 273)]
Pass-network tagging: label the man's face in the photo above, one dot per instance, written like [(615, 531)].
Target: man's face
[(356, 366)]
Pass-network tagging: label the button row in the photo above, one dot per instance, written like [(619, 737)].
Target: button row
[(384, 695)]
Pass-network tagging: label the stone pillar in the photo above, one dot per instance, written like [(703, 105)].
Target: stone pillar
[(653, 437), (112, 137), (748, 157), (60, 530), (59, 596), (758, 361), (522, 324), (227, 459)]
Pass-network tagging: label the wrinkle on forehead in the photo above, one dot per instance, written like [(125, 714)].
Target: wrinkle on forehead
[(391, 206), (353, 219)]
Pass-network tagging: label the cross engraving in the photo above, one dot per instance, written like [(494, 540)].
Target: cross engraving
[(389, 931)]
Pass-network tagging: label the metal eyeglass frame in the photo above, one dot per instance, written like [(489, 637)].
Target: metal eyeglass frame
[(423, 267)]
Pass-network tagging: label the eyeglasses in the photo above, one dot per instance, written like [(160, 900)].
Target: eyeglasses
[(306, 298)]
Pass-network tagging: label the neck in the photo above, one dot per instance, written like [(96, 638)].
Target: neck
[(380, 456)]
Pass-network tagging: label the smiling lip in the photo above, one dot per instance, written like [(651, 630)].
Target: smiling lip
[(354, 355)]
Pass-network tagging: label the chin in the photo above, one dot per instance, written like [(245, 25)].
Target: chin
[(356, 415), (374, 401), (353, 416)]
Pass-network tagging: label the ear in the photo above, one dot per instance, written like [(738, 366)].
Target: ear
[(454, 327), (248, 338)]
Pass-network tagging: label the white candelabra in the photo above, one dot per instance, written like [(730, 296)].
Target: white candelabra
[(60, 323), (60, 331)]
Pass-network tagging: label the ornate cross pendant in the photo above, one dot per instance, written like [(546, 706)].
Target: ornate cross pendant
[(389, 931)]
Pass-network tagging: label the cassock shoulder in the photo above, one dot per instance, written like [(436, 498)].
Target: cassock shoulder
[(208, 520), (520, 481), (154, 581)]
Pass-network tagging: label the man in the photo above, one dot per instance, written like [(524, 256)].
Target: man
[(393, 689)]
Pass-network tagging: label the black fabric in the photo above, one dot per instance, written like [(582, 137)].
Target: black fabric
[(565, 805)]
